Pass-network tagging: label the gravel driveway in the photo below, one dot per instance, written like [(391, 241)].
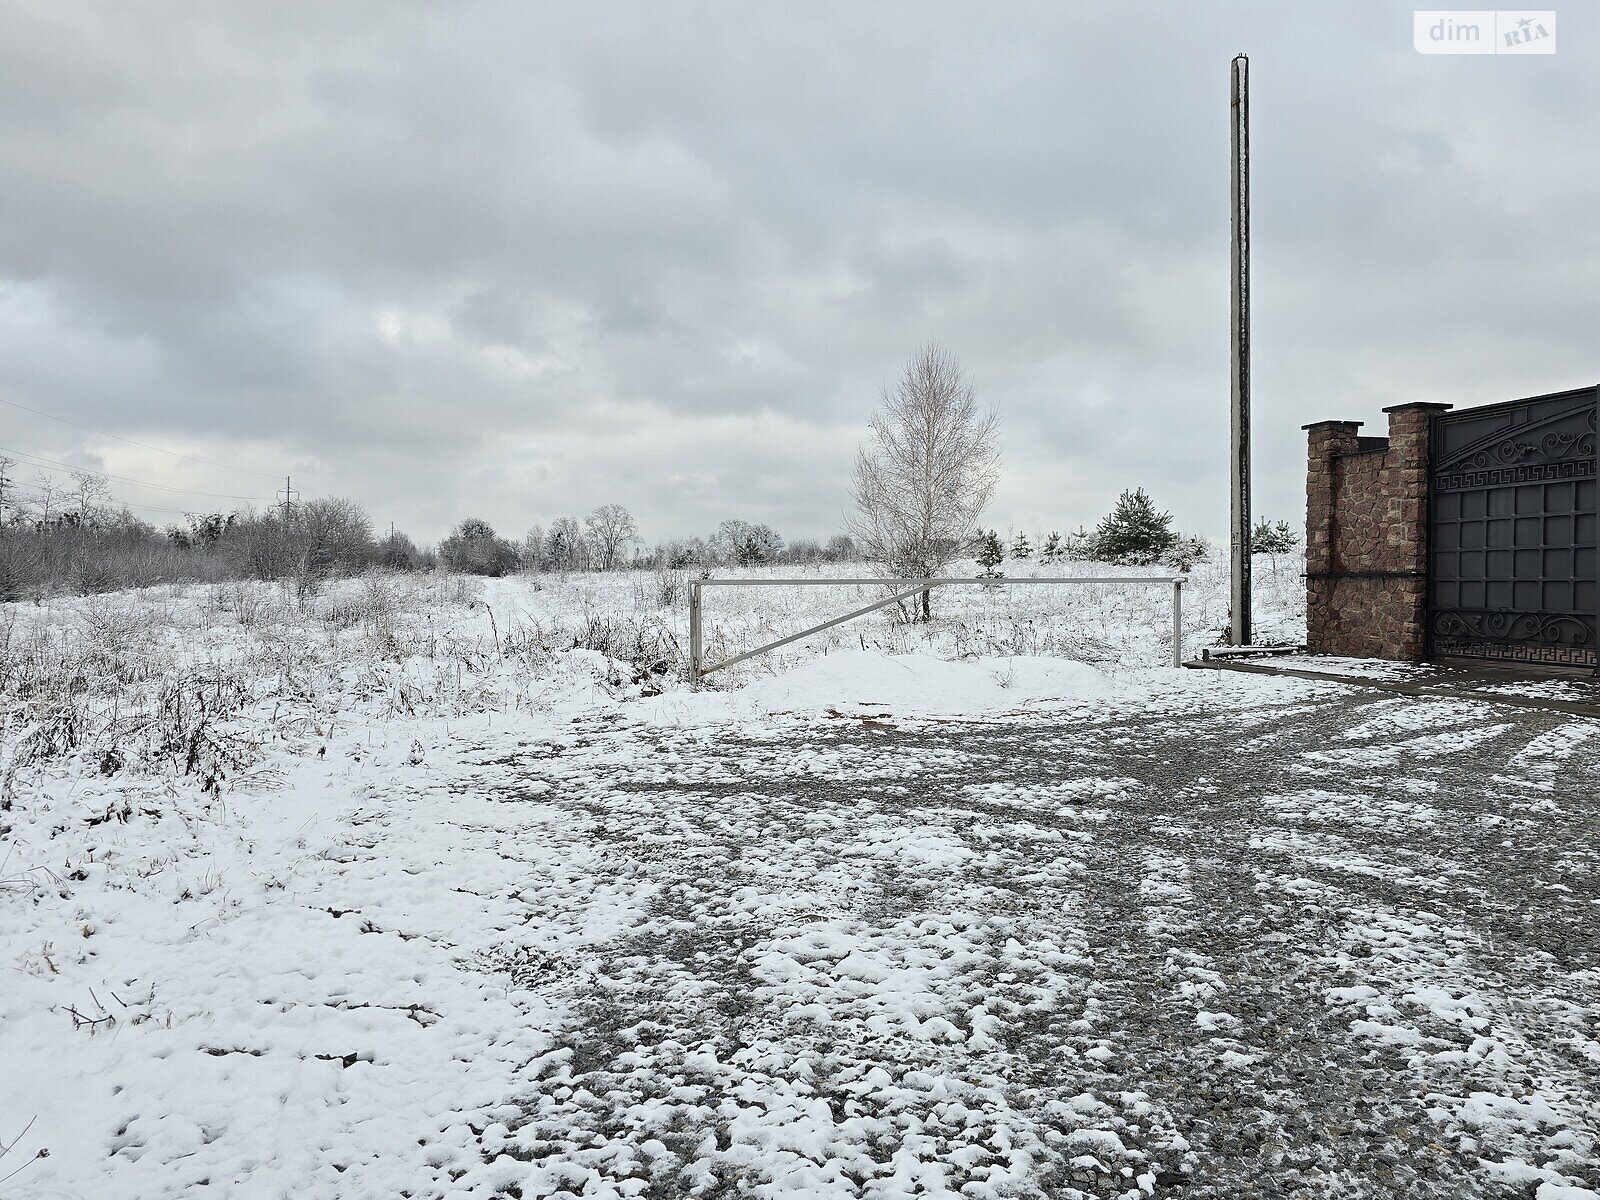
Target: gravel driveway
[(1243, 940)]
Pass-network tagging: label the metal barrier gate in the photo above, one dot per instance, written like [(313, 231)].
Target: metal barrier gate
[(698, 669)]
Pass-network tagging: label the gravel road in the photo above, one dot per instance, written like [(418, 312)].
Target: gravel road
[(1298, 940)]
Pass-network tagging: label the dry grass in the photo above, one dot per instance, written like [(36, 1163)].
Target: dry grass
[(190, 680)]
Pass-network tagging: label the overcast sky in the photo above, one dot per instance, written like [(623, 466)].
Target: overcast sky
[(517, 260)]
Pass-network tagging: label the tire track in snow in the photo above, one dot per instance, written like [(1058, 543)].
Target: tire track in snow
[(1079, 957)]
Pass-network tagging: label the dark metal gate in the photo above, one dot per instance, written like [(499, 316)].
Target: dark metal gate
[(1513, 573)]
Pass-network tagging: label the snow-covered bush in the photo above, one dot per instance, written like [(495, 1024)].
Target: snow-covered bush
[(1186, 552)]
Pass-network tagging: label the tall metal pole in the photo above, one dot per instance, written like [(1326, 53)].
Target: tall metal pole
[(1239, 509)]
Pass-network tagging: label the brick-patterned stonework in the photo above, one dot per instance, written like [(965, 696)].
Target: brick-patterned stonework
[(1367, 536)]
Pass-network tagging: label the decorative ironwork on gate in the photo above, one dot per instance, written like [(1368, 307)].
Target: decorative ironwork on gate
[(1514, 576)]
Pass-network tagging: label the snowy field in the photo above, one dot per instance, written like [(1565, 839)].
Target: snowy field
[(436, 887)]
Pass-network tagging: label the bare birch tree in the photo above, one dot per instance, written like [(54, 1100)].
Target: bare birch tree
[(928, 472)]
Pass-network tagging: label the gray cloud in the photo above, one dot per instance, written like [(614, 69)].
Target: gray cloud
[(518, 260)]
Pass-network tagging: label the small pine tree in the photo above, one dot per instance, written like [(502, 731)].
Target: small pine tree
[(1052, 550), (1078, 545), (990, 555), (1134, 533), (1268, 538), (1021, 548)]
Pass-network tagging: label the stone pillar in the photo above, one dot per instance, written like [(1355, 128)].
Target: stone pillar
[(1404, 553), (1326, 441)]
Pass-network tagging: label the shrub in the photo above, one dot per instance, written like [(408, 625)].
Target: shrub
[(475, 549), (397, 552), (1186, 552), (841, 548), (671, 586), (649, 647), (743, 544)]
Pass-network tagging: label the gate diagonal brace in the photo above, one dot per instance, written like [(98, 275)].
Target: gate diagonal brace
[(698, 669)]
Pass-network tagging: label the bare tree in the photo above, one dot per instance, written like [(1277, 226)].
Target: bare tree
[(532, 551), (335, 535), (611, 530), (8, 487), (89, 493), (564, 547), (928, 472), (49, 498)]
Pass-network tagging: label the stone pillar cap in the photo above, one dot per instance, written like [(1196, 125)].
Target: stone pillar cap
[(1428, 404), (1320, 424)]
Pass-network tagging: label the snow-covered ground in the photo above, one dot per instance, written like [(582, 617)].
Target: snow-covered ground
[(444, 887)]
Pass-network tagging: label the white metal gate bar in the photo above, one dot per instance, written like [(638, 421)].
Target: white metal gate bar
[(698, 670)]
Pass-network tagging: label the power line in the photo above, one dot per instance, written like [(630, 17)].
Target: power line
[(35, 460), (178, 512), (133, 441), (36, 497)]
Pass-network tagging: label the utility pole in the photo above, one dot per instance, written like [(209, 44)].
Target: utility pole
[(1239, 529), (5, 482), (289, 497)]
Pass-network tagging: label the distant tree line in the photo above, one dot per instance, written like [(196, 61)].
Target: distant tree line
[(96, 549), (608, 539), (74, 541)]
